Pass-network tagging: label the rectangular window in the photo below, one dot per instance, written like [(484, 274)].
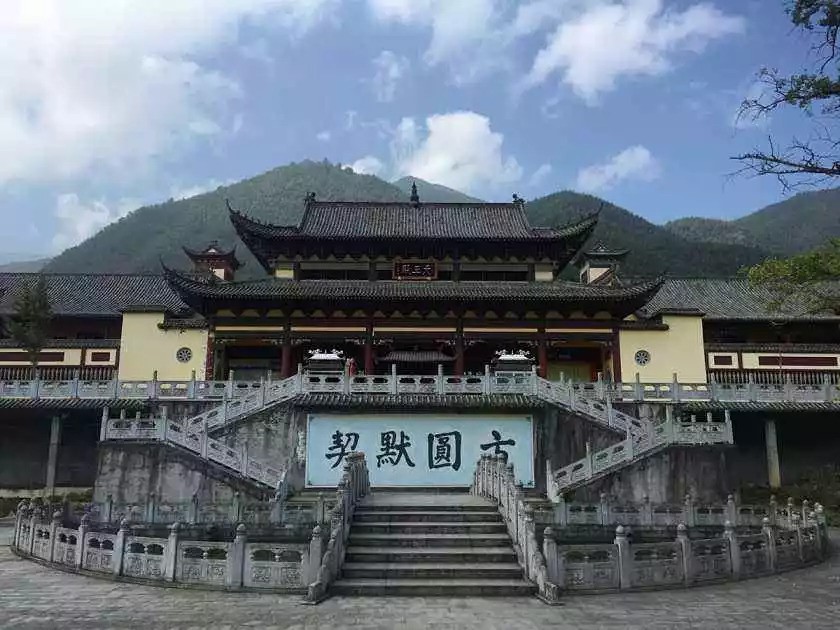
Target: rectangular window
[(794, 361)]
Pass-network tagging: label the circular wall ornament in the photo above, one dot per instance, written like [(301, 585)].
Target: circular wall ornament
[(183, 355), (642, 357)]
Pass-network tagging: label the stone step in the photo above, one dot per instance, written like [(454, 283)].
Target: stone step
[(429, 527), (433, 587), (443, 555), (443, 507), (362, 515), (436, 570), (427, 540)]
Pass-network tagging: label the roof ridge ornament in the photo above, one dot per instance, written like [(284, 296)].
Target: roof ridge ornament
[(519, 201), (309, 199), (415, 198)]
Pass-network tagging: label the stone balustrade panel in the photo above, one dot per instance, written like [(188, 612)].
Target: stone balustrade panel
[(709, 560), (99, 552), (66, 541), (755, 555), (203, 562), (656, 565), (590, 567), (269, 565), (41, 546), (714, 515), (143, 557), (787, 549)]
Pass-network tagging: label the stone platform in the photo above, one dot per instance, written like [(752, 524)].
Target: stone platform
[(35, 597)]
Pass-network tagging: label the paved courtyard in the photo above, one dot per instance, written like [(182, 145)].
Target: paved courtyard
[(32, 596)]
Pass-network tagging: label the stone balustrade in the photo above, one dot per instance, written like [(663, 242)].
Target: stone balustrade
[(586, 397), (494, 479), (328, 549), (609, 513), (637, 446), (288, 562), (683, 561)]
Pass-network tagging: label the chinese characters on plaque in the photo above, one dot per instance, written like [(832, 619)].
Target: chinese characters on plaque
[(415, 270)]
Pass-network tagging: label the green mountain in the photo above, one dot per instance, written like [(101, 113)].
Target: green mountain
[(434, 193), (140, 240), (137, 242), (653, 249), (792, 226)]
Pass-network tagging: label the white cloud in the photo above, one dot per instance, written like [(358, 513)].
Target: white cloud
[(323, 136), (368, 165), (390, 68), (457, 149), (608, 41), (78, 220), (633, 163), (540, 175), (90, 85)]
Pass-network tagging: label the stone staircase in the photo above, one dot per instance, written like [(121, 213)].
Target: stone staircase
[(448, 544)]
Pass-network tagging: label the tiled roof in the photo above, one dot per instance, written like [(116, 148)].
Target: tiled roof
[(337, 290), (422, 401), (723, 299), (95, 295), (343, 220)]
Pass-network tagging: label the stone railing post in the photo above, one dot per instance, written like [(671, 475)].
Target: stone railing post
[(192, 510), (624, 559), (316, 552), (647, 511), (33, 521), (731, 510), (237, 558), (170, 560), (774, 510), (394, 384), (685, 551), (56, 523), (604, 509), (560, 512), (84, 525), (688, 511), (103, 427), (20, 515), (797, 528), (151, 508), (236, 507), (119, 548), (791, 510), (487, 385), (552, 557), (806, 511), (638, 392), (734, 548), (770, 535)]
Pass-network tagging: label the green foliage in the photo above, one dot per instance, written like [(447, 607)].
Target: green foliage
[(817, 93), (653, 249), (793, 226), (30, 320), (802, 279)]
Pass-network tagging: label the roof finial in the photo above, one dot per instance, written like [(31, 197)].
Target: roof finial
[(519, 201), (415, 198), (310, 198)]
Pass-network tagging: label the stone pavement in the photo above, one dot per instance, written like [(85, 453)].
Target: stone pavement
[(32, 596)]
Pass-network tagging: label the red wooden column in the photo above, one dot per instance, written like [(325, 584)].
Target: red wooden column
[(208, 357), (542, 357), (286, 358), (459, 354), (370, 368)]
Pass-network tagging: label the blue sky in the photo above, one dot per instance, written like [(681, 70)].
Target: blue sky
[(107, 106)]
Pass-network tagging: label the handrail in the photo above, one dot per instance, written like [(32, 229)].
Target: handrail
[(586, 398), (635, 447)]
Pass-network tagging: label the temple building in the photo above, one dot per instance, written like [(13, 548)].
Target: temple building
[(419, 309)]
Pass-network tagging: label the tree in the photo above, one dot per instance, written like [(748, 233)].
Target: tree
[(816, 159), (804, 282), (29, 323)]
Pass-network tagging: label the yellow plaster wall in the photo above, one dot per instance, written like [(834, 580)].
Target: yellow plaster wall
[(145, 348), (676, 350)]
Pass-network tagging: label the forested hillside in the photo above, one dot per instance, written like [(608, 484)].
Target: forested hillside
[(137, 242)]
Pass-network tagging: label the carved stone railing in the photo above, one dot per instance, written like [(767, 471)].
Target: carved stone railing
[(162, 429), (646, 514), (279, 562), (585, 398), (494, 479), (683, 561), (636, 447), (329, 558)]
